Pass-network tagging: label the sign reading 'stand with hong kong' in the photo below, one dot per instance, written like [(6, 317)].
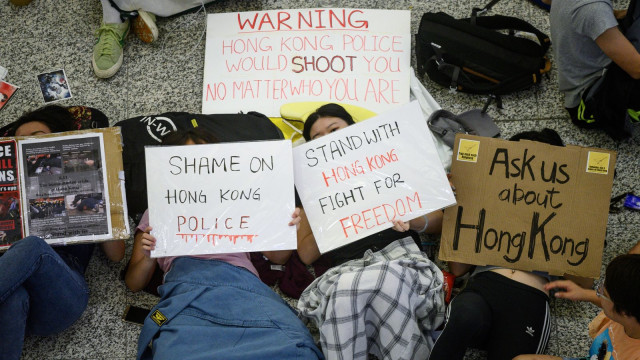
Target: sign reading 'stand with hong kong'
[(354, 182)]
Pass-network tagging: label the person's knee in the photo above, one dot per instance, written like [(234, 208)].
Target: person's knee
[(32, 242)]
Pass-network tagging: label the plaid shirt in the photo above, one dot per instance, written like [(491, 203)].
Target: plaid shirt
[(384, 304)]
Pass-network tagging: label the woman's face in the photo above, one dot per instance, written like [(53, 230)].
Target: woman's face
[(32, 128), (326, 125)]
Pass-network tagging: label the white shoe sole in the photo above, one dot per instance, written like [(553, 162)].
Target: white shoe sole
[(145, 27)]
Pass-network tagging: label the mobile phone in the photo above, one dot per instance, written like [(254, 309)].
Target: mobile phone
[(135, 314)]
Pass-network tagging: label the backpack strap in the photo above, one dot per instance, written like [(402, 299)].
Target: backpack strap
[(500, 22), (438, 58), (479, 11)]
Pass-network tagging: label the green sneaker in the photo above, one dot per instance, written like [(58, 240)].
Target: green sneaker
[(107, 52)]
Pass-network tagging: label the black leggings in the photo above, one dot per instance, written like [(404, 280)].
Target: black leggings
[(497, 314)]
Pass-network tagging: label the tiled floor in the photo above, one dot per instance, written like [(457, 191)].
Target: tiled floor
[(167, 76)]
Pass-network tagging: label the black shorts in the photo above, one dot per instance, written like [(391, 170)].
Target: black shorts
[(497, 314)]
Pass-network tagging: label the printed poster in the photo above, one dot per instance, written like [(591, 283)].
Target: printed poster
[(10, 209), (66, 195)]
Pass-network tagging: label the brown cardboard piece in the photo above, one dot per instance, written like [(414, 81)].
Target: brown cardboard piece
[(557, 220)]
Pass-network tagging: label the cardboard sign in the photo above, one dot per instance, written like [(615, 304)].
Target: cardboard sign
[(528, 205), (64, 187), (356, 181), (269, 58), (221, 198)]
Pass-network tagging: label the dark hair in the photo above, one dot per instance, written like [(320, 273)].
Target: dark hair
[(547, 136), (57, 119), (327, 110), (198, 135), (3, 96), (622, 281)]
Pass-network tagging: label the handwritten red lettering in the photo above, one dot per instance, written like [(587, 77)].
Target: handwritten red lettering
[(211, 238), (384, 91), (377, 162), (351, 225), (317, 19)]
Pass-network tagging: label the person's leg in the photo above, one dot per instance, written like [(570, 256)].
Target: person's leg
[(162, 8), (110, 15), (214, 310), (13, 317), (58, 295), (615, 96), (520, 322), (107, 52), (467, 326)]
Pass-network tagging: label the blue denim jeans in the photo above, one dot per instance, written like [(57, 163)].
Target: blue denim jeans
[(39, 294), (210, 309)]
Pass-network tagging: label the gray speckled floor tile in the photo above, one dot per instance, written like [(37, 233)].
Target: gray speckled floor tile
[(26, 21), (151, 91), (167, 76), (27, 58)]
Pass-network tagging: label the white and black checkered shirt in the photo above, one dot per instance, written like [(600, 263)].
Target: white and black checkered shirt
[(385, 304)]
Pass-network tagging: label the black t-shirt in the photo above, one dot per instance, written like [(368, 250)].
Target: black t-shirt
[(375, 242)]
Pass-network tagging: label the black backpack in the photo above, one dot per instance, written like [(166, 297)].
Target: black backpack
[(471, 55), (141, 131)]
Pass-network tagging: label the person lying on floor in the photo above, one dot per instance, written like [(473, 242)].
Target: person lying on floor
[(488, 314), (42, 288), (214, 306), (384, 295)]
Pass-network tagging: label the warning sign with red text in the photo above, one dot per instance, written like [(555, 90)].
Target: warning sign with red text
[(269, 58), (354, 182)]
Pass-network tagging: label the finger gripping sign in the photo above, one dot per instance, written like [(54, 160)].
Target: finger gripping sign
[(528, 205), (221, 198), (352, 56), (356, 181)]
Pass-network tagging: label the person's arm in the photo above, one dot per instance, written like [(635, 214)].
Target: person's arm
[(282, 256), (537, 357), (430, 223), (635, 249), (584, 282), (620, 14), (458, 269), (618, 48), (114, 249), (141, 266), (307, 247), (572, 291)]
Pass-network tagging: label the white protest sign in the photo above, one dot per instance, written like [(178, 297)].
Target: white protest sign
[(270, 58), (355, 181), (221, 198)]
